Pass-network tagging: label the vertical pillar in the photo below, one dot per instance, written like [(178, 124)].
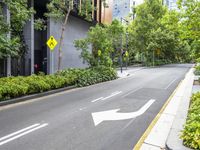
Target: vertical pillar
[(7, 16), (28, 33), (32, 39)]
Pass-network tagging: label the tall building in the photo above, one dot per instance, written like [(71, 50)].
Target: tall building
[(123, 8), (171, 4)]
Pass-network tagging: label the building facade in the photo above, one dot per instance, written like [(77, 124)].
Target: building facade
[(39, 57)]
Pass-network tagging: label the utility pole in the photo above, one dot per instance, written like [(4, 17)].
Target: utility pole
[(153, 58), (126, 48), (126, 43), (121, 61)]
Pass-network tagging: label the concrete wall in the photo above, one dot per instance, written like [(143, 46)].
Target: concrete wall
[(76, 29), (28, 32)]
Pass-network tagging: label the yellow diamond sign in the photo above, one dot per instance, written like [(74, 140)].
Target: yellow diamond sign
[(126, 53), (52, 43)]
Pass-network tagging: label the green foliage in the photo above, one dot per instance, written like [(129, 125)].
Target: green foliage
[(96, 75), (190, 24), (191, 132), (4, 26), (159, 30), (195, 49), (143, 28), (39, 24), (57, 9), (12, 87), (197, 70), (9, 47), (86, 10), (20, 14), (106, 38)]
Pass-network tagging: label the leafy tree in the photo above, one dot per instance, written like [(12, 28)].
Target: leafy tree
[(148, 17), (157, 33), (9, 47), (106, 38), (20, 13), (190, 24)]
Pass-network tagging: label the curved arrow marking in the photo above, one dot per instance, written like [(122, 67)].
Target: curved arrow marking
[(99, 117)]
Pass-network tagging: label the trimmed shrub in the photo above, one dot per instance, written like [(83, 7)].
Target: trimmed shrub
[(191, 132), (11, 87), (96, 75)]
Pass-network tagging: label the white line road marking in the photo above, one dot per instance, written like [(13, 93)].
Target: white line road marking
[(131, 92), (22, 134), (170, 83), (82, 108), (115, 92), (111, 95), (20, 131), (97, 99)]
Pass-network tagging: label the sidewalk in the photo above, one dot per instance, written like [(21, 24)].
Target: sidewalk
[(164, 131)]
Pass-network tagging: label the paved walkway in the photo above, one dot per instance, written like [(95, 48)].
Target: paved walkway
[(158, 133)]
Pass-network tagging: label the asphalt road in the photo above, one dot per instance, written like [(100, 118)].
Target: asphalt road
[(65, 121)]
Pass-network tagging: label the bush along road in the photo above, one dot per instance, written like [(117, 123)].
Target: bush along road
[(191, 132), (12, 87)]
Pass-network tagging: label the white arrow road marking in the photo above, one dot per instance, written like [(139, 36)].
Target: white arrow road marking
[(113, 94), (99, 117), (21, 133)]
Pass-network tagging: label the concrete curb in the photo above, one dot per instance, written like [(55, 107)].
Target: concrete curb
[(38, 95), (173, 140)]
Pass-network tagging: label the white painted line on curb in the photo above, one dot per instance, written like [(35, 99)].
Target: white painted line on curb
[(32, 128), (170, 83), (96, 99), (111, 95), (20, 131)]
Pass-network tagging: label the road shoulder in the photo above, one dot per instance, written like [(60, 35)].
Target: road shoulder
[(171, 118)]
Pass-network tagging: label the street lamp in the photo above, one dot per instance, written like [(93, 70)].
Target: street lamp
[(121, 52)]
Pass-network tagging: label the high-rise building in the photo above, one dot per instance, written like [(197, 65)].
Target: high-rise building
[(171, 4)]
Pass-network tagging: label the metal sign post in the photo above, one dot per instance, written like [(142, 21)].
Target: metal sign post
[(51, 43)]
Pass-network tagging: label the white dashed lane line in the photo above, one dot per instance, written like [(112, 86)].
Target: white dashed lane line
[(20, 133)]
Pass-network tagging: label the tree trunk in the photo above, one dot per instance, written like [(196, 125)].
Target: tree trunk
[(61, 38)]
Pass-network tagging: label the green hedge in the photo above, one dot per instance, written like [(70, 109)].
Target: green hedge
[(191, 132), (197, 70), (11, 87), (96, 75)]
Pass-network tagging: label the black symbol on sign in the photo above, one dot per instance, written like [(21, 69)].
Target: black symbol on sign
[(51, 43)]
